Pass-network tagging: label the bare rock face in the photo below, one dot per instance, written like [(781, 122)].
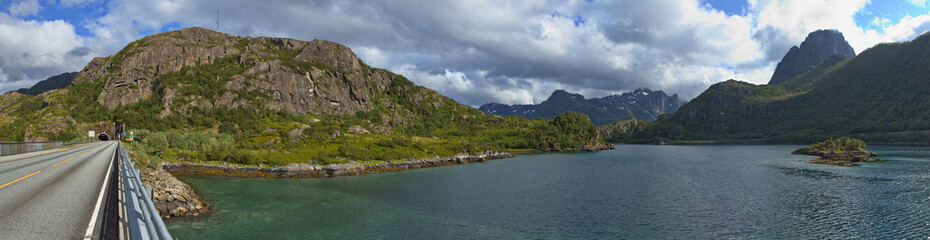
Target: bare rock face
[(330, 54), (816, 48), (317, 77), (357, 129), (129, 74)]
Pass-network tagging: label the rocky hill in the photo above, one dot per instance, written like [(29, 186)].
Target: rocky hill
[(878, 95), (819, 46), (54, 82), (641, 103), (205, 95)]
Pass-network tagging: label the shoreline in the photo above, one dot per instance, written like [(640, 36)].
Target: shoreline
[(306, 170), (730, 142), (174, 198)]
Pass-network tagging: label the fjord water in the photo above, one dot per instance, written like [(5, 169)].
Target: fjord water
[(635, 191)]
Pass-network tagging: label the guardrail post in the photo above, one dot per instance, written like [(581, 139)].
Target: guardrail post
[(139, 197)]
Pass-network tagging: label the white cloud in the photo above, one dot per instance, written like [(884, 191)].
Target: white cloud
[(799, 17), (513, 52), (919, 2), (908, 28), (34, 50), (25, 8), (881, 22)]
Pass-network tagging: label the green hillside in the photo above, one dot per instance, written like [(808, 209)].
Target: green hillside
[(199, 95), (879, 95)]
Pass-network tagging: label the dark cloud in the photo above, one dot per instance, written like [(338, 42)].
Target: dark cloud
[(774, 42), (484, 50), (79, 52)]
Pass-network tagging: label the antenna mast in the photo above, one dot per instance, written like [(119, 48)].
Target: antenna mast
[(217, 20)]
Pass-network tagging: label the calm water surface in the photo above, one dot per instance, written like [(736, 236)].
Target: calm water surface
[(635, 191)]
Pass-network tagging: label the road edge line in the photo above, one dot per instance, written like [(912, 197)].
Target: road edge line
[(93, 218)]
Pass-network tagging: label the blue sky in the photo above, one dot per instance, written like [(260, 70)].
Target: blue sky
[(477, 51), (892, 11), (733, 7)]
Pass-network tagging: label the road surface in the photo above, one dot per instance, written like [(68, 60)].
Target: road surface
[(53, 196)]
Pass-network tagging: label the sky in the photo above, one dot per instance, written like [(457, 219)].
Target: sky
[(477, 51)]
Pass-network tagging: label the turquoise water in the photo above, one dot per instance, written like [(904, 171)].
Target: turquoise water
[(635, 191)]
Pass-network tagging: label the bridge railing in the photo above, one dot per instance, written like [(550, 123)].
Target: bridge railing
[(25, 147), (141, 215), (13, 148)]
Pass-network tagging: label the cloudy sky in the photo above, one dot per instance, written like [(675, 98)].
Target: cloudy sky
[(477, 51)]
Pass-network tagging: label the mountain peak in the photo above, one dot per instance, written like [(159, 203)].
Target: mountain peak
[(642, 90), (819, 45), (562, 94)]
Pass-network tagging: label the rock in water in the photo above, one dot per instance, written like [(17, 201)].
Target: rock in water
[(846, 159)]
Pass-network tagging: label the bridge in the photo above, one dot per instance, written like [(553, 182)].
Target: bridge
[(82, 191)]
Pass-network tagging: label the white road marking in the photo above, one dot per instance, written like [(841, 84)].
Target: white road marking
[(93, 218)]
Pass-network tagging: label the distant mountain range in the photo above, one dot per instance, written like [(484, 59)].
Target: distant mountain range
[(642, 103), (881, 95), (55, 82)]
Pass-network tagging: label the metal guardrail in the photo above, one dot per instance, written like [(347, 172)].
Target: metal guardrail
[(72, 143), (142, 217), (7, 149)]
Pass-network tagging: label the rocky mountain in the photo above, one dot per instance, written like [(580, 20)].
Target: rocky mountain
[(317, 77), (819, 46), (54, 82), (622, 131), (279, 100), (641, 103), (879, 95)]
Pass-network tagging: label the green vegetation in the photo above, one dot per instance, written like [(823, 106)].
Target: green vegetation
[(405, 122), (839, 145), (878, 96), (279, 142)]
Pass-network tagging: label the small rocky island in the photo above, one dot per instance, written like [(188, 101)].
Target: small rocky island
[(842, 151)]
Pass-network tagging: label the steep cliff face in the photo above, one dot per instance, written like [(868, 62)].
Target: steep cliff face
[(641, 103), (316, 77), (819, 45)]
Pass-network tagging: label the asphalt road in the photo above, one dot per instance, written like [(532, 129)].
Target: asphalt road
[(52, 196)]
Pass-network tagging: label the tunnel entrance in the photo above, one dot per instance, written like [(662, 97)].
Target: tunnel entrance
[(103, 137)]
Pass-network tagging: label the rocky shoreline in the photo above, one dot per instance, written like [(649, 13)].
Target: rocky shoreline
[(307, 170), (847, 159), (172, 197)]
